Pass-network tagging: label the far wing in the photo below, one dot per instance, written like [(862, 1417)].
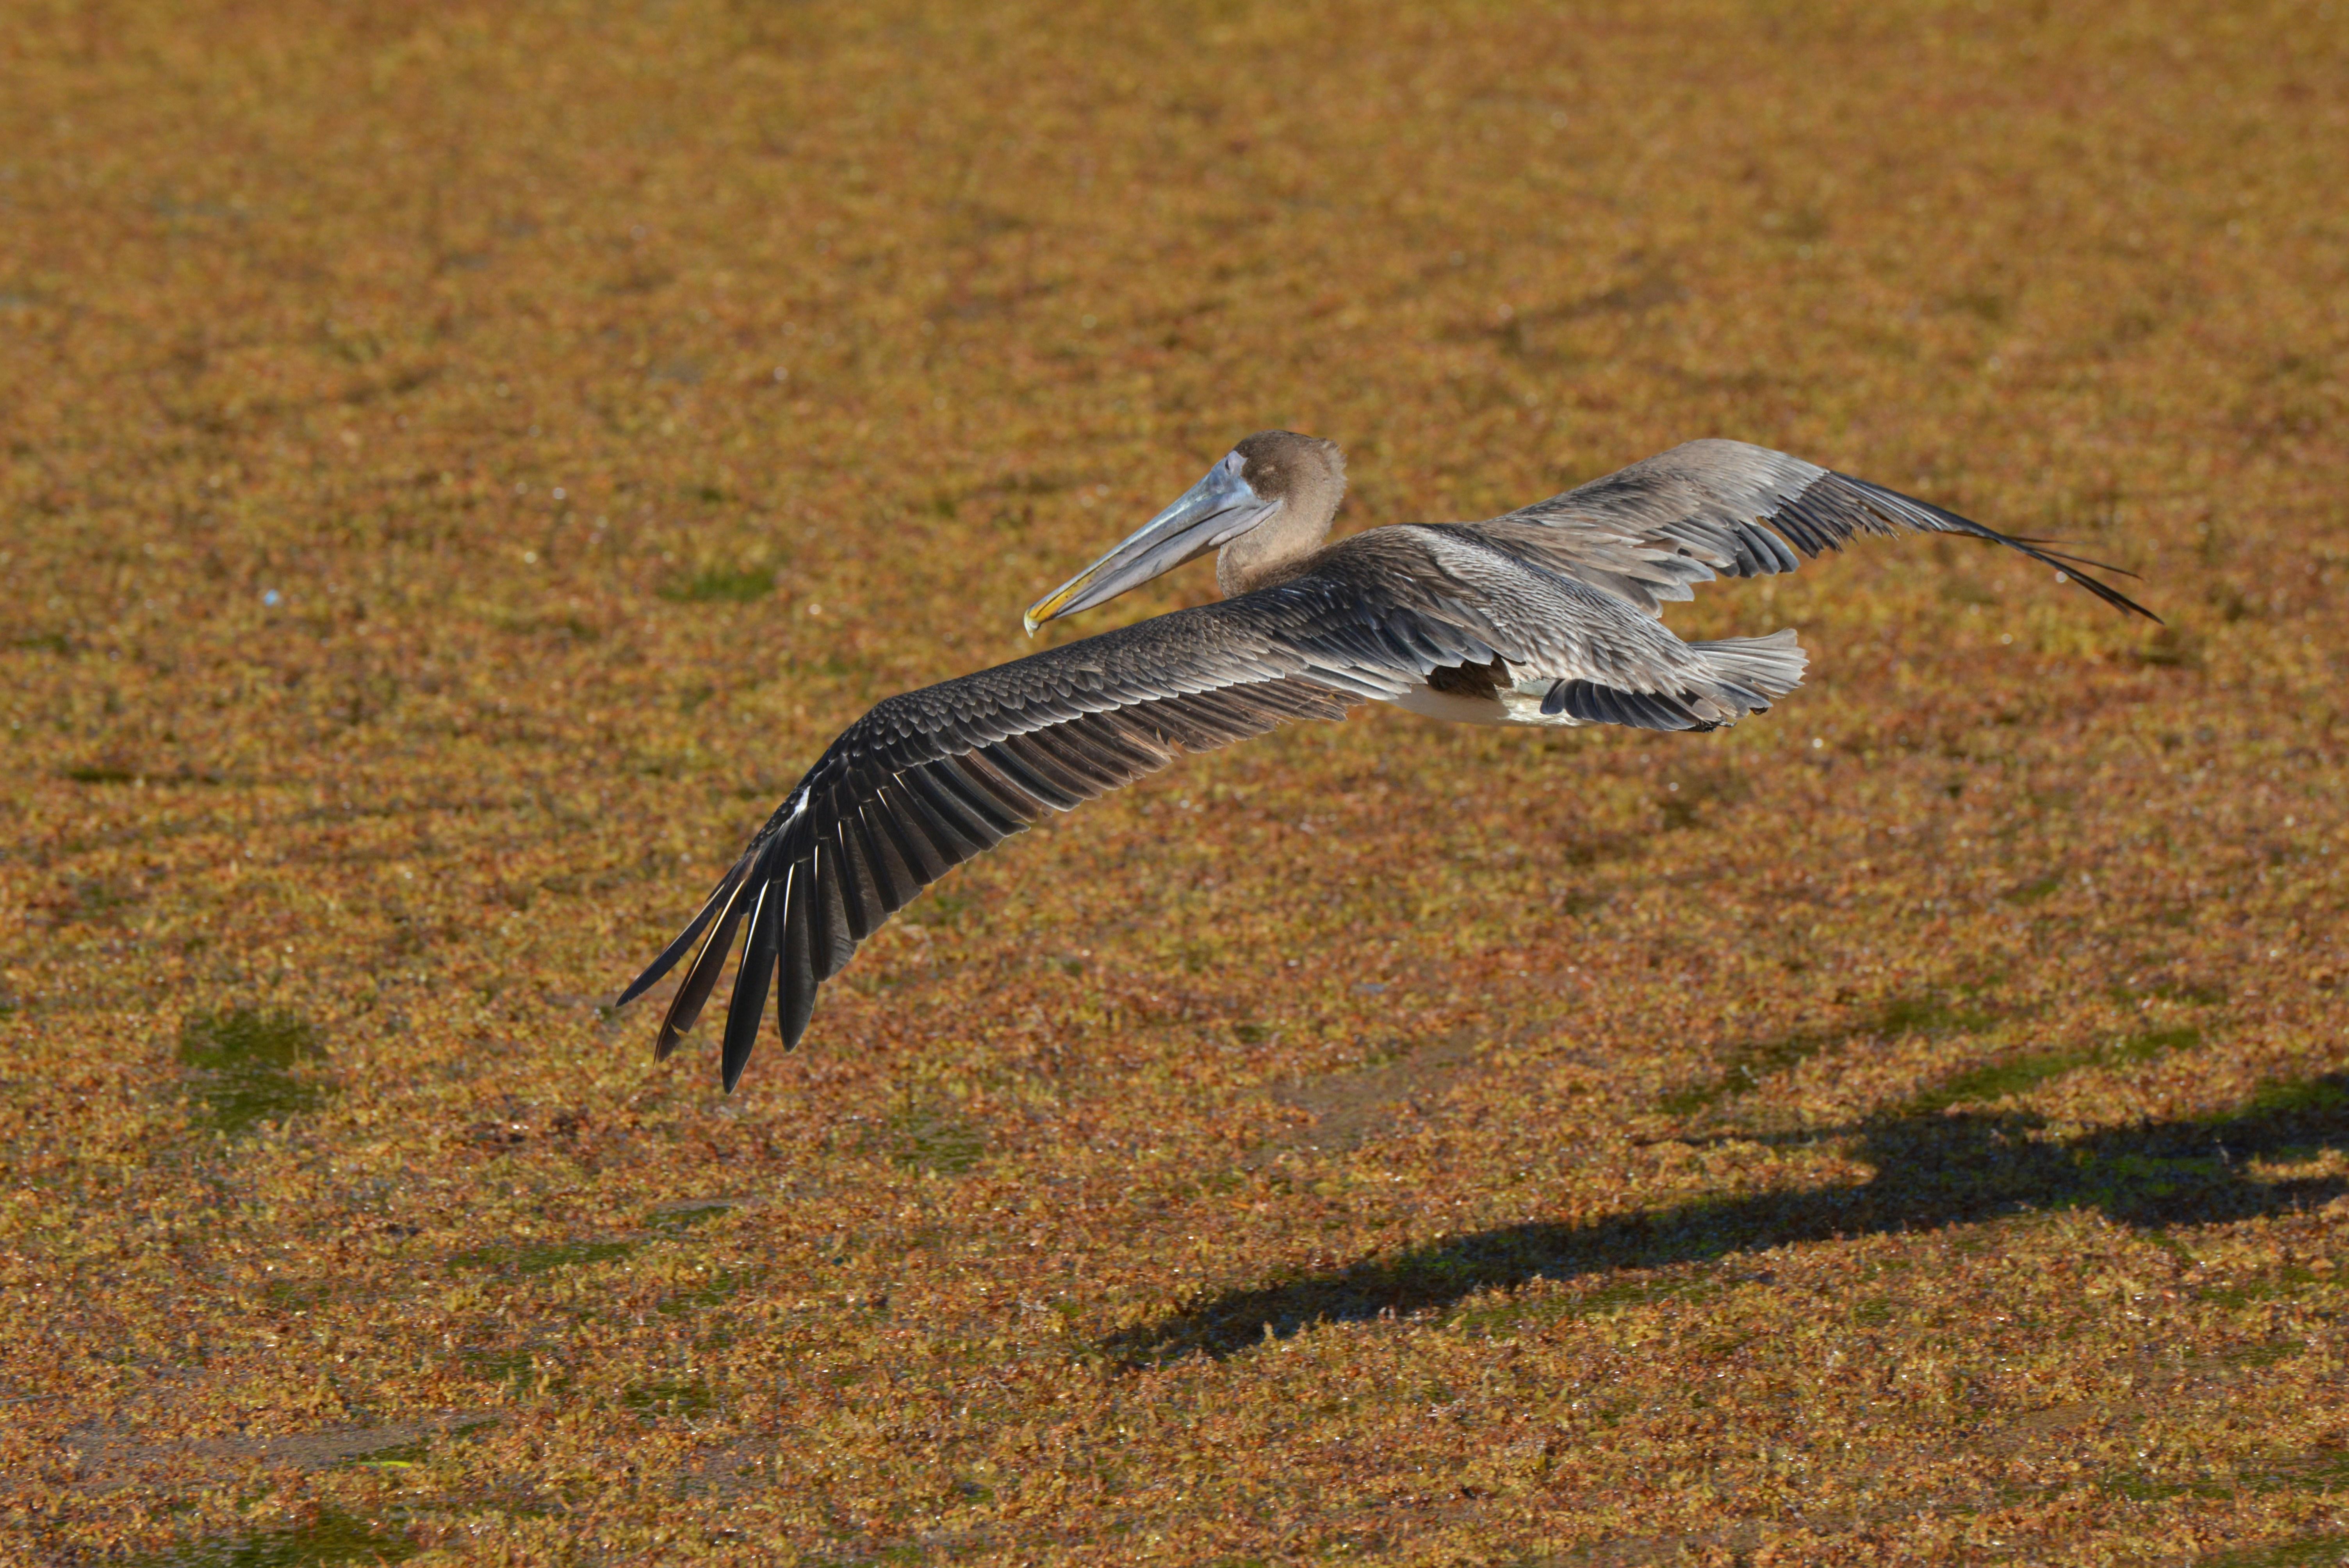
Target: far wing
[(1650, 532)]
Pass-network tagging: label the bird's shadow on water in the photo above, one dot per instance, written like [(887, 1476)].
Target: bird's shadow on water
[(1933, 1169)]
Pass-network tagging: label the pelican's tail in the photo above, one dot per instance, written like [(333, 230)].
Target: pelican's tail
[(1767, 666), (1724, 681)]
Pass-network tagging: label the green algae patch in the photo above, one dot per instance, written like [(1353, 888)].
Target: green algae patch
[(540, 1257), (676, 1397), (2296, 1551), (2021, 1073), (330, 1540), (242, 1068), (719, 1286), (1749, 1069), (933, 1141), (721, 585), (2319, 1098)]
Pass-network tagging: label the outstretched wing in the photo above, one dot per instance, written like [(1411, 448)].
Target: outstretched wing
[(1648, 533), (930, 778)]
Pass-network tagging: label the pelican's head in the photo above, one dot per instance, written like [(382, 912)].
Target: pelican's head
[(1269, 502)]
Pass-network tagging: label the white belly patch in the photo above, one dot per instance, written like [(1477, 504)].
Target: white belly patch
[(1508, 705)]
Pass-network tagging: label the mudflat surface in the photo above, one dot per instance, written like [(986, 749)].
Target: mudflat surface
[(457, 466)]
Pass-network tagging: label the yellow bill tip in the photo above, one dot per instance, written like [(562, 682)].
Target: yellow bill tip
[(1048, 607)]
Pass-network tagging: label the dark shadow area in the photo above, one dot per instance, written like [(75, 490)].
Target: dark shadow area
[(1933, 1169)]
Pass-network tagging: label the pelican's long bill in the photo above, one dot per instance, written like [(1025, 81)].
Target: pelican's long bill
[(1210, 513)]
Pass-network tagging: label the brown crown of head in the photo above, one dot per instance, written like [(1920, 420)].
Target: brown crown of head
[(1276, 463)]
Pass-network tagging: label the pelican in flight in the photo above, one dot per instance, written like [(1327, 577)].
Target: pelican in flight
[(1547, 615)]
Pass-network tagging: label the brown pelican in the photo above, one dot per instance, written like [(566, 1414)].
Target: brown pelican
[(1547, 615)]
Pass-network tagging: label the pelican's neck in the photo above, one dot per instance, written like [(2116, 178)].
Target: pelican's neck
[(1273, 549)]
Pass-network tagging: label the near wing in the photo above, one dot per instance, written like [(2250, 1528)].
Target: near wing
[(1647, 533), (930, 778)]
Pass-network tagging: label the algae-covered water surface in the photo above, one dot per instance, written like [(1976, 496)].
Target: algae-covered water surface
[(458, 466)]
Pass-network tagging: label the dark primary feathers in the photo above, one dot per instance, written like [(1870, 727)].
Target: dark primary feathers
[(1557, 602)]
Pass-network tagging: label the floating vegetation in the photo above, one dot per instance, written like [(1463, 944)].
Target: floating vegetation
[(464, 463)]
